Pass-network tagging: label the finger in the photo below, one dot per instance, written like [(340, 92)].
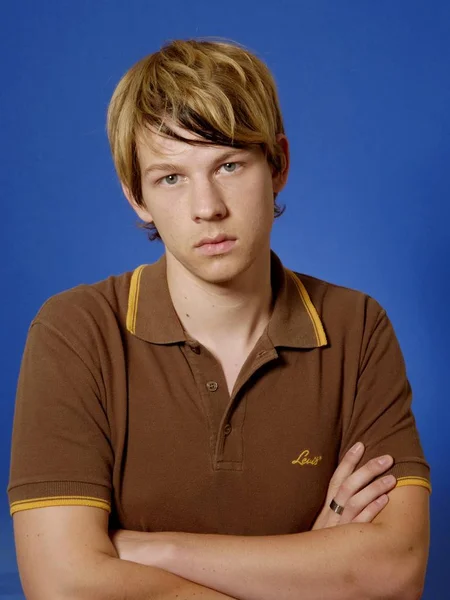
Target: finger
[(345, 468), (362, 477), (370, 512), (358, 502)]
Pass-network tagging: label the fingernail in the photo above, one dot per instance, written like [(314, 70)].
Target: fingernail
[(356, 448), (384, 460), (389, 479), (382, 499)]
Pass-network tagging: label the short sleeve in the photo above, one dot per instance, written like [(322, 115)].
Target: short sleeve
[(382, 417), (61, 451)]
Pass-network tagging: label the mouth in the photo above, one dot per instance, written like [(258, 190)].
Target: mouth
[(213, 246), (215, 240)]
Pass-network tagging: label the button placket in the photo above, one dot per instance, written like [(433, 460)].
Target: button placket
[(230, 450), (211, 385)]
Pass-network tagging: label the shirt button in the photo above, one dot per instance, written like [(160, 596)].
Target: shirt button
[(227, 429), (212, 386)]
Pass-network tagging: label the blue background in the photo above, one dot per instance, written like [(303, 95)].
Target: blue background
[(365, 92)]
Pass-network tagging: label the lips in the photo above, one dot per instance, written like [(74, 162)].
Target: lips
[(215, 240)]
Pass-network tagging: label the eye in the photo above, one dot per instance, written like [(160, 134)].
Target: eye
[(169, 179), (230, 167)]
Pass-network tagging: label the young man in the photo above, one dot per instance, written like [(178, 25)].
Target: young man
[(178, 428)]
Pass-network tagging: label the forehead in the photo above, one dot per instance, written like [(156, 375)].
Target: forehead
[(149, 139), (152, 145)]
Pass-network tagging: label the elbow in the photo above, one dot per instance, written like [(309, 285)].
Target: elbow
[(73, 582), (413, 581), (412, 568), (401, 579)]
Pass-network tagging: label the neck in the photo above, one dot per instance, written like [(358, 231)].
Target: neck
[(234, 313)]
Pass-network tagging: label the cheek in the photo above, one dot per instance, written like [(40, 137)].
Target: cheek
[(257, 198), (163, 209), (173, 224)]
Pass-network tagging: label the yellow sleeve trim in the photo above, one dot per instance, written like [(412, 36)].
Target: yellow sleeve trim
[(402, 481), (310, 309), (59, 501), (133, 297)]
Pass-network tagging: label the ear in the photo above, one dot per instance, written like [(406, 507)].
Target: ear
[(141, 212), (280, 179)]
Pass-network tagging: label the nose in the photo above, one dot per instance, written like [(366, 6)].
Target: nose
[(207, 203)]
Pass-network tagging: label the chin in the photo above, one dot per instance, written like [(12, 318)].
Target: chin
[(218, 275), (220, 270)]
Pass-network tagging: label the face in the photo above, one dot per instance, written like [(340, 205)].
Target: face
[(212, 205)]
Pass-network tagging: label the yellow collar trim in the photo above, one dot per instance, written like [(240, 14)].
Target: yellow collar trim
[(133, 298), (310, 309)]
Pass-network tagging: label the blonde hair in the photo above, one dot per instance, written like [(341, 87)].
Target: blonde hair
[(217, 90)]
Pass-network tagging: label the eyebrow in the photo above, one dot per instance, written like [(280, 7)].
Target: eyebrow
[(161, 167), (173, 168)]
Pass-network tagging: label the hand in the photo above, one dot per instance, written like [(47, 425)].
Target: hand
[(362, 497)]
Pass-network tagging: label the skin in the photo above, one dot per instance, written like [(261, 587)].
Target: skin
[(368, 552), (65, 551), (206, 192), (376, 549), (197, 194)]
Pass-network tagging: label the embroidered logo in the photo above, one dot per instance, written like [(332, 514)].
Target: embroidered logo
[(305, 459)]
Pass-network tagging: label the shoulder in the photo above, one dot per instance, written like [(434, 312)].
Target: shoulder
[(87, 309), (108, 294), (340, 307)]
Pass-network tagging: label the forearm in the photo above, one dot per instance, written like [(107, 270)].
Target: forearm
[(107, 578), (342, 563), (65, 552), (120, 580)]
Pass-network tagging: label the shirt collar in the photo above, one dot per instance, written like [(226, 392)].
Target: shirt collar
[(151, 315)]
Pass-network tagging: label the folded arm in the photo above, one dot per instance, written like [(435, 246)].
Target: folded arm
[(65, 552), (384, 559), (365, 557)]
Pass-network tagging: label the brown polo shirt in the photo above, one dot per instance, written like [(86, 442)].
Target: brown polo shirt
[(116, 408)]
